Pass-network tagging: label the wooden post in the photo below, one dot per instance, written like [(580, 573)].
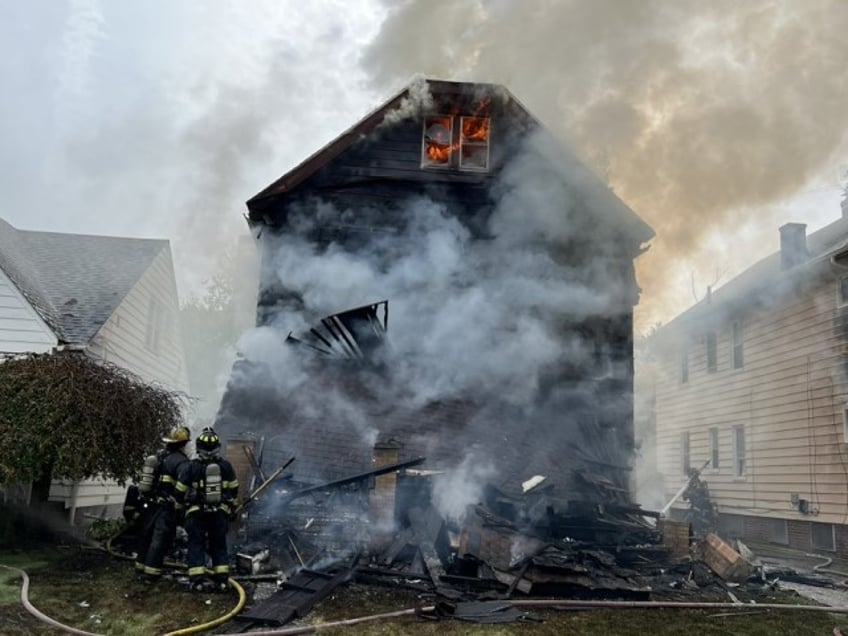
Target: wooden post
[(234, 452)]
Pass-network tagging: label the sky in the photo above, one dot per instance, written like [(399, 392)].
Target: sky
[(716, 122)]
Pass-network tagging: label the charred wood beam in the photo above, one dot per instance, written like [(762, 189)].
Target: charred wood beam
[(252, 497), (254, 464), (338, 483), (636, 510)]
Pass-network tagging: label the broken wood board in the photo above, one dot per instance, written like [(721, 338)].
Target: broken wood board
[(724, 560)]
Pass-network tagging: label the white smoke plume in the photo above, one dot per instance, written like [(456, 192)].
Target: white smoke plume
[(463, 486)]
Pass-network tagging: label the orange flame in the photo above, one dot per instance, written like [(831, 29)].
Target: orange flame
[(475, 128), (438, 153), (438, 139)]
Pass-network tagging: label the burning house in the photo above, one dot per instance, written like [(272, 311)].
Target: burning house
[(443, 281)]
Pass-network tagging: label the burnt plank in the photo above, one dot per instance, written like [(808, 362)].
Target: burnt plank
[(296, 598)]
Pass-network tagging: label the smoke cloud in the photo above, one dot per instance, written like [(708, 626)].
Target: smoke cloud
[(474, 320), (698, 114), (465, 318)]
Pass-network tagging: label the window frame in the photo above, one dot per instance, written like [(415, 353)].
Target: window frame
[(845, 425), (737, 345), (831, 547), (841, 289), (154, 326), (711, 351), (777, 531), (458, 142), (474, 144), (685, 453), (426, 123), (715, 458), (740, 461)]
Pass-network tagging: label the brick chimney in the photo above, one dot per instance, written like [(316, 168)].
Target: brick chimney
[(793, 244), (382, 499)]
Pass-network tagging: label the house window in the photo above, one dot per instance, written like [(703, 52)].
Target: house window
[(822, 536), (739, 450), (155, 318), (685, 455), (438, 141), (845, 425), (777, 531), (684, 365), (474, 143), (714, 448), (711, 352), (843, 290), (738, 358), (456, 142)]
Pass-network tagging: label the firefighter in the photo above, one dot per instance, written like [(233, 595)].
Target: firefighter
[(157, 494), (209, 487)]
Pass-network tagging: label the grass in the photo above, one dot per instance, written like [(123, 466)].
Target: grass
[(93, 591), (353, 601)]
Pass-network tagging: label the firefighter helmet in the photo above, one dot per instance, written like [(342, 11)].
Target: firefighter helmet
[(207, 442), (177, 435)]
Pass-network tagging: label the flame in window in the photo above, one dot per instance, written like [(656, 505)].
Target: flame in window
[(437, 139), (475, 129)]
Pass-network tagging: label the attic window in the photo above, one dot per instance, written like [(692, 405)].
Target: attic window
[(438, 136), (456, 141), (474, 143)]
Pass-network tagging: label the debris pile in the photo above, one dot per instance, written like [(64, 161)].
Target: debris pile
[(299, 542)]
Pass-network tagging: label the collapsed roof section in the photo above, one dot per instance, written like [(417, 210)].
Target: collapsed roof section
[(353, 334)]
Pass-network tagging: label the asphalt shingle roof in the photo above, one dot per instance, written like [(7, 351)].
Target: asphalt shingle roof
[(74, 281), (766, 273)]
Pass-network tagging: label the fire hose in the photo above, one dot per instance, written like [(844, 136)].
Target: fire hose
[(180, 632), (73, 630), (824, 568), (194, 629), (35, 612)]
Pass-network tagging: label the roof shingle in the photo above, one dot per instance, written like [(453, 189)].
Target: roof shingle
[(74, 281)]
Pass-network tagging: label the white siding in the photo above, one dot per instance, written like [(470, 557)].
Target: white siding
[(143, 334), (87, 493), (789, 396), (21, 328)]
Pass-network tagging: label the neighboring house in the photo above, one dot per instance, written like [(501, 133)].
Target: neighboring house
[(472, 151), (114, 298), (751, 385)]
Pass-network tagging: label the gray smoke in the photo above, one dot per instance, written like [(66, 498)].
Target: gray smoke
[(469, 317), (699, 114)]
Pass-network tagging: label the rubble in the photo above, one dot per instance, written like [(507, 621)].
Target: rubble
[(506, 546), (299, 542)]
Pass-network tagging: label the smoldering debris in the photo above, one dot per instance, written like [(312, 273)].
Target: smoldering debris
[(505, 547)]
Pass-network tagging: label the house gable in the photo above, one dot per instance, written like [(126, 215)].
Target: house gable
[(143, 334), (384, 156), (85, 277), (21, 328)]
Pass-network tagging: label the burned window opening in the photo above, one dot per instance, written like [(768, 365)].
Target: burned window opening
[(456, 141)]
